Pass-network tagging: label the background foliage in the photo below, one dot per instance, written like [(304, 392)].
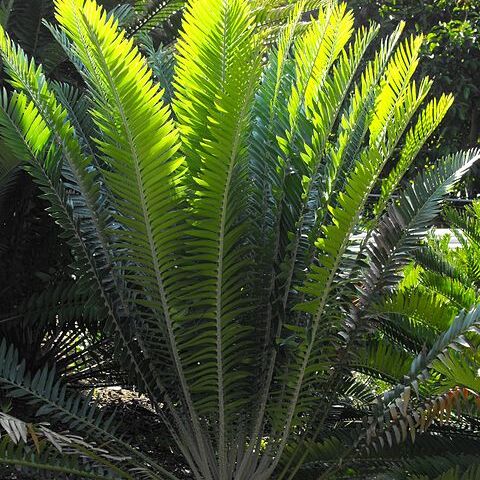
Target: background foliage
[(451, 55)]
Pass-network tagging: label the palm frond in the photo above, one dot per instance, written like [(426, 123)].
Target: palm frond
[(428, 121), (152, 13), (216, 74), (39, 448), (35, 120), (405, 222)]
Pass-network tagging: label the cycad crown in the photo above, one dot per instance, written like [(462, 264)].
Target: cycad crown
[(225, 239)]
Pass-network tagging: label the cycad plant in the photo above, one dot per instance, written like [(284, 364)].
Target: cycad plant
[(451, 272), (446, 278), (32, 258), (223, 241)]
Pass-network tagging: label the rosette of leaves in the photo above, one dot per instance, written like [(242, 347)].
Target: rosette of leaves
[(223, 240)]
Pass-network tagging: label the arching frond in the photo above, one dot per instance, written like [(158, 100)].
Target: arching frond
[(32, 123), (151, 14), (217, 73), (418, 205), (428, 121), (39, 448)]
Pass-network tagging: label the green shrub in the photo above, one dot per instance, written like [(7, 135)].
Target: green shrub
[(224, 240)]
